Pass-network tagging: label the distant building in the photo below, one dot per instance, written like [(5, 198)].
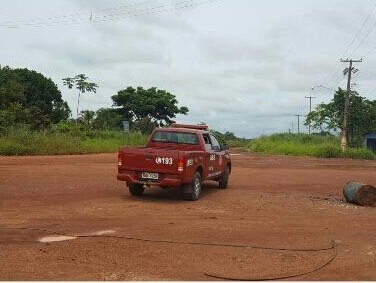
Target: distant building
[(370, 141)]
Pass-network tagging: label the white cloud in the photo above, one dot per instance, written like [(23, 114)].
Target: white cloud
[(241, 66)]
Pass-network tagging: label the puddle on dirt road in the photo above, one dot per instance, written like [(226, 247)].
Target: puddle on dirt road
[(50, 239), (60, 238)]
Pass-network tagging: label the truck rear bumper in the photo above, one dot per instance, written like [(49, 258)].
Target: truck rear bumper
[(167, 181)]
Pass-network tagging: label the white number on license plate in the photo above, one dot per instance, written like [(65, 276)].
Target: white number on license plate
[(146, 175)]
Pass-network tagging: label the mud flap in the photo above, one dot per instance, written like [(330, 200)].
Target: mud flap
[(186, 189)]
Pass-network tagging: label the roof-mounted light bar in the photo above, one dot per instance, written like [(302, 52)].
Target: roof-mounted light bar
[(195, 127)]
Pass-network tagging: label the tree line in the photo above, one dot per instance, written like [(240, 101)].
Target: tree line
[(29, 98)]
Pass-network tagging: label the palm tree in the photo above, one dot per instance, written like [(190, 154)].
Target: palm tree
[(81, 84)]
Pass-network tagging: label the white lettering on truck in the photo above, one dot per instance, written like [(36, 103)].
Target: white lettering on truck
[(164, 160)]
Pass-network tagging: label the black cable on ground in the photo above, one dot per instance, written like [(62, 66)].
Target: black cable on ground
[(171, 241), (334, 248)]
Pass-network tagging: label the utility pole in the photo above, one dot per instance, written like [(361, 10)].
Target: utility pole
[(298, 115), (344, 134), (310, 110)]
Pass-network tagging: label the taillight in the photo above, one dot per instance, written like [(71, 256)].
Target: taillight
[(120, 161), (181, 163)]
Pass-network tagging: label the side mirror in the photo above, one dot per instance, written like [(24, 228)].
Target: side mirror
[(225, 147)]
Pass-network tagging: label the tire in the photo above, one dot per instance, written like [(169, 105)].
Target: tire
[(193, 190), (223, 181), (136, 189)]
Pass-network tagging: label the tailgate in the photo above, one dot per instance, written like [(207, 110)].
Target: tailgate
[(150, 160)]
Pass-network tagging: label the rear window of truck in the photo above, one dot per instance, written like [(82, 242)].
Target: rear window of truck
[(175, 137)]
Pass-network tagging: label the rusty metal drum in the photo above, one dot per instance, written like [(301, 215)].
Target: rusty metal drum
[(360, 194)]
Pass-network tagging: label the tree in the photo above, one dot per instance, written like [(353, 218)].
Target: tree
[(107, 118), (224, 138), (145, 125), (329, 117), (229, 136), (159, 105), (30, 98), (81, 84), (87, 117)]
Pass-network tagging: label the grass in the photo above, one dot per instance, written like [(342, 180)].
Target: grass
[(238, 142), (25, 142), (21, 141), (306, 145)]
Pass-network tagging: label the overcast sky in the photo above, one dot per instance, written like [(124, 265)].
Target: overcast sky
[(240, 66)]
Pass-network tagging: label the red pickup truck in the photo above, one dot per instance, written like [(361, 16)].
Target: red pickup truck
[(178, 156)]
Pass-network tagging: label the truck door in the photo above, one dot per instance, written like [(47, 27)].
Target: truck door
[(210, 157), (219, 155)]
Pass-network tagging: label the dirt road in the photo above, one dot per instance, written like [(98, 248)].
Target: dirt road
[(271, 202)]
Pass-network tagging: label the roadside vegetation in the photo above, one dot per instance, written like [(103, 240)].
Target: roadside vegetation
[(59, 140), (326, 146), (35, 120), (326, 120)]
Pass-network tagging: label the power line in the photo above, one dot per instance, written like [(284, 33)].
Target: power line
[(83, 13), (369, 51), (80, 20), (369, 85), (154, 10), (358, 33), (369, 90), (334, 70), (331, 74), (360, 30), (364, 38), (115, 16), (365, 82)]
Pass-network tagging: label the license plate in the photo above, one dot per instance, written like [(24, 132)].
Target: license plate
[(153, 176)]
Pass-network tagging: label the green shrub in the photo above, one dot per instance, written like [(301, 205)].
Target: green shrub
[(307, 139), (327, 151), (259, 146), (237, 142), (358, 153)]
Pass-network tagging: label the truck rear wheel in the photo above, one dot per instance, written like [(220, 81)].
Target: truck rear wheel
[(193, 190), (223, 181), (136, 189)]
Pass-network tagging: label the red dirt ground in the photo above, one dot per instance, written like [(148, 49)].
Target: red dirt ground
[(282, 202)]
